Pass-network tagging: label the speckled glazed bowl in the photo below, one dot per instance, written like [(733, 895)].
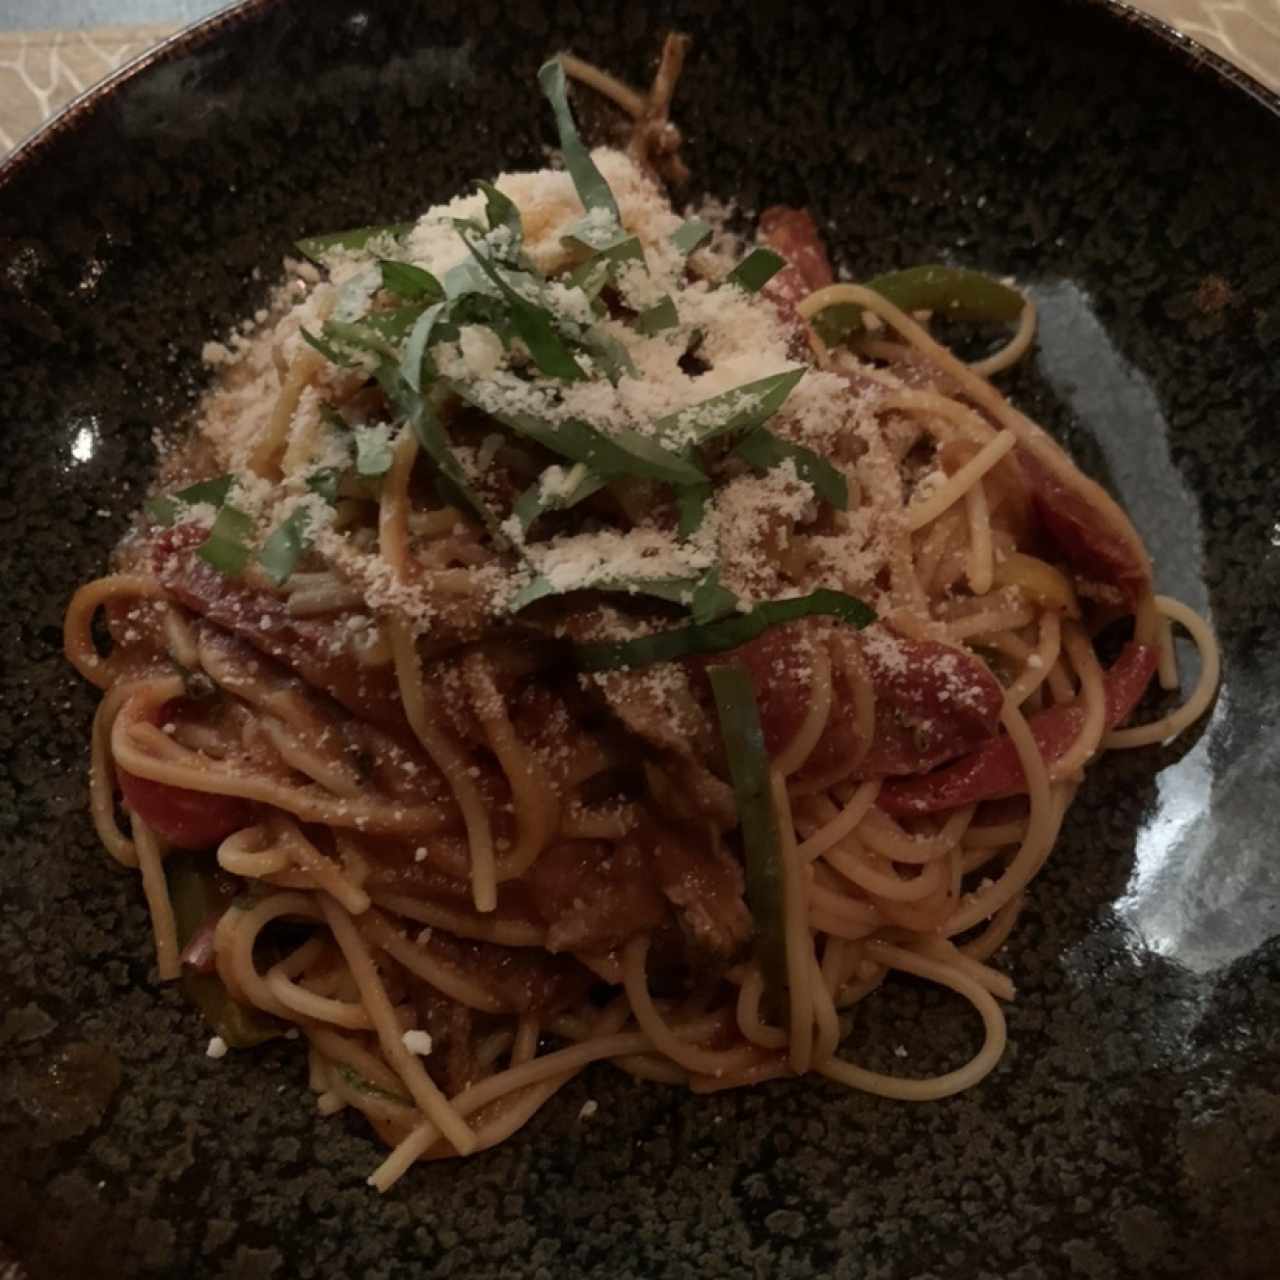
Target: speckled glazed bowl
[(1133, 1129)]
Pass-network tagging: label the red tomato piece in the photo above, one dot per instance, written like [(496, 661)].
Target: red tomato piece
[(1082, 532), (794, 235), (994, 771), (187, 819)]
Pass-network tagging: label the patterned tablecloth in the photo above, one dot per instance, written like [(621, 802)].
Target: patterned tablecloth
[(42, 70)]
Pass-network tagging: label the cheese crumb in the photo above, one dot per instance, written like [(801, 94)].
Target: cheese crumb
[(418, 1042), (217, 1048), (589, 1108)]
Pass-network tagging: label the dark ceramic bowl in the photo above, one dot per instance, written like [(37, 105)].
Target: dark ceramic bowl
[(1133, 1128)]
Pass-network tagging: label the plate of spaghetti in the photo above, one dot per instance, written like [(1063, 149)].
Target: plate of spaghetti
[(647, 646)]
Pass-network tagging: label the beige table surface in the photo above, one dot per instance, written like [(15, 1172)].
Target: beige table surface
[(42, 70)]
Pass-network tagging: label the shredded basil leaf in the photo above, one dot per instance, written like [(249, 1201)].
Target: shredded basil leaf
[(325, 482), (408, 281), (711, 601), (391, 327), (326, 349), (536, 500), (691, 506), (435, 444), (746, 406), (677, 590), (603, 267), (315, 247), (501, 211), (285, 546), (533, 324), (414, 361), (691, 235), (357, 1082), (748, 758), (624, 453), (227, 546), (756, 270), (164, 510), (611, 355), (662, 315), (588, 181), (358, 335), (762, 449), (716, 637)]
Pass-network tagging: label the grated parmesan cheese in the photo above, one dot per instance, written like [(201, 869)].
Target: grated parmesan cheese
[(417, 1042)]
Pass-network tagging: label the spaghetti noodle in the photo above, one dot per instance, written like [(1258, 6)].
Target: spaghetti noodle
[(570, 639)]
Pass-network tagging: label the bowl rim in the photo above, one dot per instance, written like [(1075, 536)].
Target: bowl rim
[(1191, 54)]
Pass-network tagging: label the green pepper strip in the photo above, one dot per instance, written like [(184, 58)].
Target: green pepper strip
[(197, 894), (761, 839), (955, 292)]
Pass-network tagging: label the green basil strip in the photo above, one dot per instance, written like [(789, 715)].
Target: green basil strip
[(611, 355), (711, 601), (408, 281), (326, 349), (535, 501), (667, 646), (501, 211), (360, 336), (662, 315), (955, 292), (381, 333), (621, 453), (325, 482), (227, 546), (164, 510), (284, 547), (756, 270), (315, 247), (357, 1082), (746, 406), (617, 255), (762, 449), (465, 278), (435, 444), (605, 265), (591, 277), (691, 235), (743, 739), (588, 181), (395, 325), (374, 453), (691, 506), (534, 324), (413, 360), (677, 590)]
